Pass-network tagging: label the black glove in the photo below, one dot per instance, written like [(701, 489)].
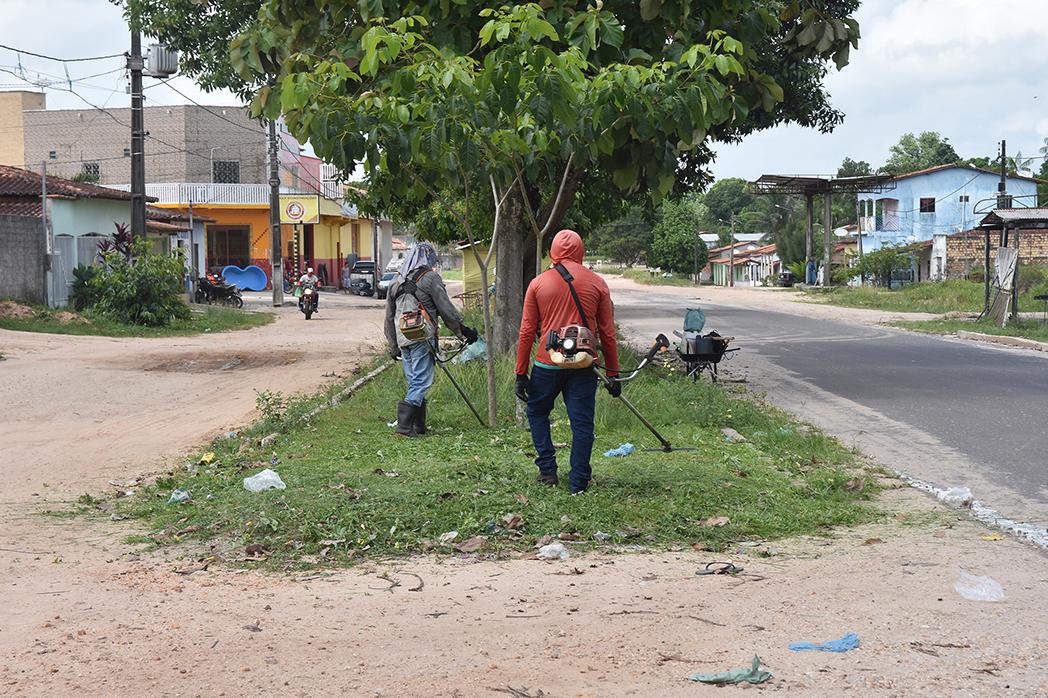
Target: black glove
[(469, 334), (522, 387), (394, 353), (614, 387)]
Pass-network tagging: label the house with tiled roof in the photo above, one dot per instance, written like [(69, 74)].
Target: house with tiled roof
[(935, 201), (80, 215)]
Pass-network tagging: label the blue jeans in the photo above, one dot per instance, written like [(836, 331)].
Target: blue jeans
[(579, 388), (418, 370)]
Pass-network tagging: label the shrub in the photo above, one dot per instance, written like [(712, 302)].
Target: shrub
[(881, 264), (143, 290), (83, 295), (1031, 278)]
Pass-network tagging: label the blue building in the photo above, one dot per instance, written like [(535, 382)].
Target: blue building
[(936, 201)]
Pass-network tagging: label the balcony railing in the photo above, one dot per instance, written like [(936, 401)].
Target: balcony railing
[(183, 193)]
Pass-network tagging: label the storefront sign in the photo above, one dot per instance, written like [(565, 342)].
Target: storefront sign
[(296, 208)]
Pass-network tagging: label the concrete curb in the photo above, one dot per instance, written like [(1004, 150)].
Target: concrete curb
[(1019, 342), (335, 400)]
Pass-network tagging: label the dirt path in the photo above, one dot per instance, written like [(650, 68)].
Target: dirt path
[(85, 614)]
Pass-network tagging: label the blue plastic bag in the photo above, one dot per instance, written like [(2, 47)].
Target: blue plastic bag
[(477, 350), (623, 450)]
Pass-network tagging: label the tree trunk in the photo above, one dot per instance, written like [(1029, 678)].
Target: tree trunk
[(510, 251)]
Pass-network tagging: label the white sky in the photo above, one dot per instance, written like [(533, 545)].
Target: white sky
[(974, 70)]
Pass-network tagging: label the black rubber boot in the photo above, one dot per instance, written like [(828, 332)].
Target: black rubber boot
[(420, 419), (406, 419)]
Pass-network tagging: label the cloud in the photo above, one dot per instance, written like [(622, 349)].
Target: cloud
[(969, 69)]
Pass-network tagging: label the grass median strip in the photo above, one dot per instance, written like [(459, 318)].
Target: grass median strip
[(208, 319), (952, 295), (354, 490)]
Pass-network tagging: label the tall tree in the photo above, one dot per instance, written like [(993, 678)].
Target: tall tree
[(626, 239), (912, 153), (621, 95), (675, 244)]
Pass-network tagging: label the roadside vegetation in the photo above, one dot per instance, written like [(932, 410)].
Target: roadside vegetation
[(25, 318), (1028, 329), (641, 276), (954, 295), (354, 491)]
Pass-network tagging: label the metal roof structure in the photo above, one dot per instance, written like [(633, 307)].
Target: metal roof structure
[(1025, 217), (815, 184)]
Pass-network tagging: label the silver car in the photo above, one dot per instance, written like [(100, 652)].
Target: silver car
[(384, 282)]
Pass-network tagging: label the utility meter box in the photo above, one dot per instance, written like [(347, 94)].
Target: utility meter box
[(162, 62)]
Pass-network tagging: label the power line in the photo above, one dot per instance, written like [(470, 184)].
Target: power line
[(62, 60), (205, 108)]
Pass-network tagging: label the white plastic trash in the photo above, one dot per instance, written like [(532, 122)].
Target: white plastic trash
[(956, 496), (265, 480), (553, 551), (976, 588)]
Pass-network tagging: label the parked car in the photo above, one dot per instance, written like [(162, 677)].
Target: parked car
[(787, 278), (384, 282)]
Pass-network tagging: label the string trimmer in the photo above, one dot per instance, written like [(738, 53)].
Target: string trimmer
[(661, 344)]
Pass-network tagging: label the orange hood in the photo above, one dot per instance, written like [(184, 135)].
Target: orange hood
[(567, 246)]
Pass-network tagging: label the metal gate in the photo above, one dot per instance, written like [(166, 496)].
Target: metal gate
[(62, 267)]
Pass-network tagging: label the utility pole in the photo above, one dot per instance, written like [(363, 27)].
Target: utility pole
[(49, 291), (274, 218), (731, 255), (858, 233), (827, 238), (809, 199), (138, 137)]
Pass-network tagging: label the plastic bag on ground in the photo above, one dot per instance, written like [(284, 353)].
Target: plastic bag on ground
[(178, 496), (976, 588), (477, 350), (553, 551), (956, 497), (265, 480), (623, 450)]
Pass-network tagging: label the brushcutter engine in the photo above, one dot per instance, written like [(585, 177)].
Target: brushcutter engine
[(572, 346)]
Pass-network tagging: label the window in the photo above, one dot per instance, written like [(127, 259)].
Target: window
[(127, 152), (227, 245), (928, 204), (52, 155), (91, 171), (225, 172), (963, 198)]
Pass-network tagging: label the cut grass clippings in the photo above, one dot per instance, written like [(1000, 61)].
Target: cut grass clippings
[(1027, 329), (208, 319), (354, 490)]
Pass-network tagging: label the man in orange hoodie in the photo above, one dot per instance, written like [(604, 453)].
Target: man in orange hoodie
[(548, 306)]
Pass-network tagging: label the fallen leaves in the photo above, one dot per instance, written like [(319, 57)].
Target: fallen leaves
[(472, 545), (207, 458), (856, 484), (715, 521), (512, 522), (872, 541), (992, 536)]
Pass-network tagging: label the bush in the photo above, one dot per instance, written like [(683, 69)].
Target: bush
[(881, 264), (1031, 278), (83, 295), (143, 290)]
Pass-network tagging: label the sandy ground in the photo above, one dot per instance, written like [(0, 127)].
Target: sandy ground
[(85, 614)]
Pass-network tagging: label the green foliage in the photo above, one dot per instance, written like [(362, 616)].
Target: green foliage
[(913, 153), (675, 244), (1035, 330), (880, 264), (727, 197), (83, 294), (209, 320), (626, 239), (144, 290)]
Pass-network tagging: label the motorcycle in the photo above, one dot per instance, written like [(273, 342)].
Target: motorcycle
[(307, 299), (214, 289), (361, 287)]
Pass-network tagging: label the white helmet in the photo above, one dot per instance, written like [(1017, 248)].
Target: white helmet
[(309, 270)]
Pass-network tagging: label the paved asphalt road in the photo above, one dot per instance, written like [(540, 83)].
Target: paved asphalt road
[(947, 411)]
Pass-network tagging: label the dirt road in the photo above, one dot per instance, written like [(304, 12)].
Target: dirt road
[(85, 614)]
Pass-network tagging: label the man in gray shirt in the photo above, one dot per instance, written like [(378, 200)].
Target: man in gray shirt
[(418, 291)]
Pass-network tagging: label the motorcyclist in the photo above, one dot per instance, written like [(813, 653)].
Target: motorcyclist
[(418, 292), (311, 280)]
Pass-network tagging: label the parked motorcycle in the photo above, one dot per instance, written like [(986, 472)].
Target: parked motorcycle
[(214, 289), (361, 287), (307, 299)]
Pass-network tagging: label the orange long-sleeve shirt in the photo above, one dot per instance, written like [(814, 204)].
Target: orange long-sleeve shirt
[(548, 305)]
